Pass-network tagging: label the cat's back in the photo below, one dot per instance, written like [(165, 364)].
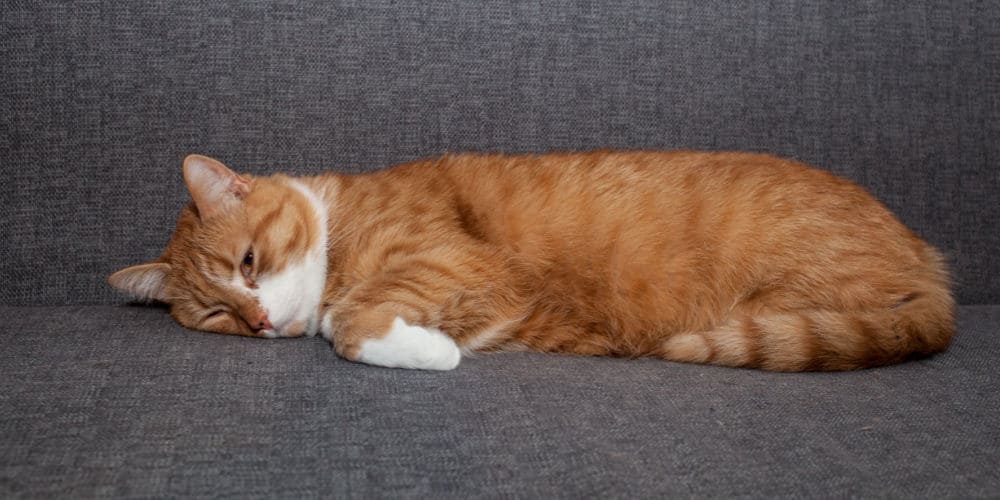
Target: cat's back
[(579, 199), (622, 212), (618, 246), (634, 179)]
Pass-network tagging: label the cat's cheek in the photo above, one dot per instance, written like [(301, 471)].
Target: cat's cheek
[(291, 297)]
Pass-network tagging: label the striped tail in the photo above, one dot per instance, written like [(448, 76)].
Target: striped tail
[(814, 340)]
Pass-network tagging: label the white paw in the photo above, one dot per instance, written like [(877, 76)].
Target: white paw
[(326, 326), (313, 327), (409, 346)]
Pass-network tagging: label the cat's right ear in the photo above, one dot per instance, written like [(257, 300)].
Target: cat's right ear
[(213, 187), (144, 282)]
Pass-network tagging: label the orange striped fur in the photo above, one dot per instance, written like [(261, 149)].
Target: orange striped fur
[(726, 258)]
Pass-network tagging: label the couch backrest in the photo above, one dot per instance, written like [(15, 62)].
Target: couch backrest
[(101, 101)]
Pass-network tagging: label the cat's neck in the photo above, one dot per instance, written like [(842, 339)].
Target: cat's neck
[(356, 205), (327, 188)]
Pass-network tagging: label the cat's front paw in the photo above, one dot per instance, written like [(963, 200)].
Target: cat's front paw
[(326, 326), (411, 346)]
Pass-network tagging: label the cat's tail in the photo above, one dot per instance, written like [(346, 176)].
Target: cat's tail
[(814, 340)]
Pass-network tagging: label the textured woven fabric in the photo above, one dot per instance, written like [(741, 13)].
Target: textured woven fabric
[(101, 100), (99, 401)]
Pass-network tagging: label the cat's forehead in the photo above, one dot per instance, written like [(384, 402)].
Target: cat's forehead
[(275, 220), (196, 241)]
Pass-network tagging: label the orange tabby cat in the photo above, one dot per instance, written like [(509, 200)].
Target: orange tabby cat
[(725, 258)]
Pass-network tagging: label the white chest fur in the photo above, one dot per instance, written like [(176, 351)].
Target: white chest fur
[(292, 296)]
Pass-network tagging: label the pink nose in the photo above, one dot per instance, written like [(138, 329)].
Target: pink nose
[(263, 323)]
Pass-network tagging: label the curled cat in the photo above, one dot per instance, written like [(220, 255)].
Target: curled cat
[(733, 259)]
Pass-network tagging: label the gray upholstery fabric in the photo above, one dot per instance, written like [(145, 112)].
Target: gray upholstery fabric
[(119, 401), (102, 99)]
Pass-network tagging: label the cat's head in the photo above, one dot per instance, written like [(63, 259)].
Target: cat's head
[(248, 256)]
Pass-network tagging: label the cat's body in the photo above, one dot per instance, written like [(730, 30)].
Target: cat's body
[(726, 258)]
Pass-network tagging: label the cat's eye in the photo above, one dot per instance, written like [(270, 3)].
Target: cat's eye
[(247, 264), (213, 314)]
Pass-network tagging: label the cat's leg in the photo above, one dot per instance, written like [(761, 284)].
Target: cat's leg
[(401, 345), (422, 315), (411, 346)]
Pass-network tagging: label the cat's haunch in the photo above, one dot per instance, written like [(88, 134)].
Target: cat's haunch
[(734, 259)]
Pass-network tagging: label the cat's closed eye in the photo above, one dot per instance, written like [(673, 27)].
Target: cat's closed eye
[(220, 320)]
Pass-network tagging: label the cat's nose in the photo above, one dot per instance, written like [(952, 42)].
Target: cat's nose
[(263, 323)]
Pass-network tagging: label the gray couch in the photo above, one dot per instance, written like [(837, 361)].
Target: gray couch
[(101, 100)]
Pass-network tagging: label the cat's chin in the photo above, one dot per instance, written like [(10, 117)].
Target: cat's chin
[(275, 334), (295, 329)]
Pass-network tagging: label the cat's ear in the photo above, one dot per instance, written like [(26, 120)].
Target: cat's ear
[(213, 187), (144, 282)]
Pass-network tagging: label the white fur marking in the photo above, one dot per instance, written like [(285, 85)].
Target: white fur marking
[(413, 347), (313, 328), (486, 338), (496, 336), (326, 327), (295, 293)]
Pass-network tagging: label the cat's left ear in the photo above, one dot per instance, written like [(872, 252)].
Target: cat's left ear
[(144, 282), (213, 187)]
